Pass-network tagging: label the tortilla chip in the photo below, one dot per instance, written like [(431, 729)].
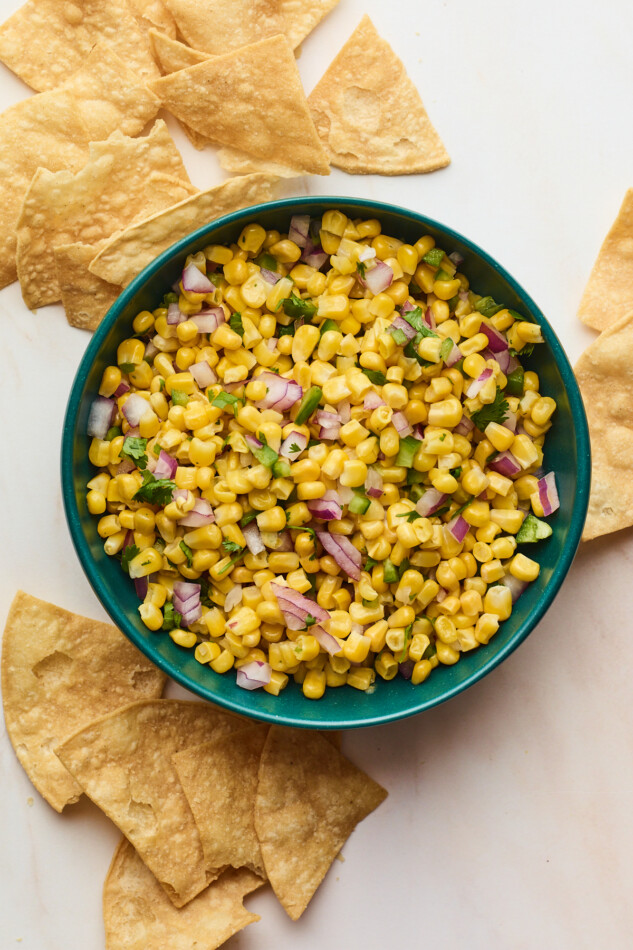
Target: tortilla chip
[(86, 299), (123, 763), (220, 26), (301, 17), (252, 100), (608, 295), (127, 253), (239, 163), (219, 779), (59, 672), (45, 41), (172, 56), (309, 800), (112, 190), (152, 14), (369, 114), (605, 376), (138, 916)]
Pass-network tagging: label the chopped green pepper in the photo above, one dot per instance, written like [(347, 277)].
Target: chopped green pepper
[(407, 451), (359, 503), (308, 404), (533, 529)]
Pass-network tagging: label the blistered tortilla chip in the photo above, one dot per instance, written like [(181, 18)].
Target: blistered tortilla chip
[(59, 672), (138, 916), (605, 376), (608, 295), (123, 763), (219, 26), (220, 781), (153, 14), (112, 190), (302, 17), (46, 41), (85, 298), (309, 800), (240, 163), (126, 254), (172, 56), (370, 115), (252, 100)]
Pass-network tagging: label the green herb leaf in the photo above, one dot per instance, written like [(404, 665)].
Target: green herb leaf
[(416, 319), (407, 637), (247, 518), (409, 515), (186, 550), (130, 552), (495, 411), (223, 400), (456, 472), (127, 367), (375, 376), (370, 562), (155, 491), (231, 546), (286, 330), (134, 449), (361, 267), (446, 347), (233, 561), (235, 323), (205, 599), (296, 307), (488, 306), (310, 621), (294, 448), (303, 527), (171, 618)]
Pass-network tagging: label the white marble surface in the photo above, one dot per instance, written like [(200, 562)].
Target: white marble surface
[(509, 823)]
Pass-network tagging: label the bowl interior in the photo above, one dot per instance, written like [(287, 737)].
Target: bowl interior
[(567, 453)]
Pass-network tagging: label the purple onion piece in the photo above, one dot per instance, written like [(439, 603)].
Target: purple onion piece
[(194, 281), (100, 417)]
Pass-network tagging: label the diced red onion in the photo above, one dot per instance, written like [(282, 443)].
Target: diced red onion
[(345, 494), (503, 359), (272, 342), (347, 557), (374, 483), (299, 229), (344, 410), (454, 356), (372, 401), (201, 514), (208, 321), (379, 277), (456, 258), (125, 466), (203, 374), (510, 422), (401, 424), (295, 438), (441, 595), (141, 585), (478, 384), (253, 538), (406, 306), (296, 608), (270, 276), (194, 281), (317, 259), (233, 598), (406, 669), (284, 541), (329, 435), (100, 417), (401, 324), (548, 494), (431, 500), (458, 527), (418, 431), (282, 393), (464, 426), (121, 389), (254, 675), (505, 464), (329, 643), (135, 408), (166, 466), (326, 508), (175, 314), (430, 319), (514, 585), (496, 341)]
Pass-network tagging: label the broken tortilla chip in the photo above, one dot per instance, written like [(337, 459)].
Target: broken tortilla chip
[(86, 298), (605, 377), (153, 14), (219, 779), (240, 163), (309, 800), (220, 26), (126, 254), (252, 100), (123, 763), (114, 188), (46, 41), (60, 671), (370, 116), (301, 17), (138, 916), (608, 295)]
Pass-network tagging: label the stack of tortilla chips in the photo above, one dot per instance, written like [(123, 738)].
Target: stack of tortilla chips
[(211, 805)]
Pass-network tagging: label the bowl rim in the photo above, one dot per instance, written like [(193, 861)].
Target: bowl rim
[(577, 517)]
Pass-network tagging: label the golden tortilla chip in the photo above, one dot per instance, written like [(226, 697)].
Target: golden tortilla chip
[(608, 295), (239, 163), (86, 299), (59, 672), (112, 190), (123, 763), (301, 17), (219, 779), (309, 800), (220, 26), (252, 100), (605, 376), (126, 254), (138, 916), (46, 41), (153, 14), (172, 56), (369, 114)]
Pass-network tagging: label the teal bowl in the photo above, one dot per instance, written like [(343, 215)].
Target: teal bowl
[(567, 453)]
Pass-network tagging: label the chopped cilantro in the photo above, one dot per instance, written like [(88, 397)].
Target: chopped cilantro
[(310, 621), (247, 518), (526, 350), (130, 552), (155, 491), (495, 411), (231, 547), (296, 307), (286, 331), (186, 550), (134, 449), (407, 637), (416, 319), (294, 448), (370, 562), (235, 323), (205, 600), (233, 561), (156, 449), (223, 400), (488, 306), (375, 376), (313, 442), (456, 472), (409, 515), (361, 267), (430, 650), (179, 398), (303, 527), (171, 618)]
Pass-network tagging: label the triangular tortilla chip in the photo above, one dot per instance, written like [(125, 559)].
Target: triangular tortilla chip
[(123, 763), (46, 41), (86, 298), (369, 114), (126, 254), (608, 295), (309, 800), (172, 56), (112, 190), (138, 916), (59, 672), (153, 14), (219, 26), (301, 17), (240, 163), (605, 376), (252, 100), (219, 779)]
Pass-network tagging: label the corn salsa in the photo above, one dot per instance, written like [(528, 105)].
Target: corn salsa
[(319, 455)]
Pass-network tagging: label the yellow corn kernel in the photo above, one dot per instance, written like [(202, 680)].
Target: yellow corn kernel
[(446, 413), (303, 343), (151, 616), (421, 671), (492, 571), (314, 684), (386, 665), (223, 662), (354, 473), (96, 502), (183, 638), (333, 306), (542, 410), (524, 568), (278, 681), (99, 453), (429, 348), (498, 601), (361, 677), (499, 436), (486, 627), (110, 381), (477, 514), (446, 654), (508, 520)]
